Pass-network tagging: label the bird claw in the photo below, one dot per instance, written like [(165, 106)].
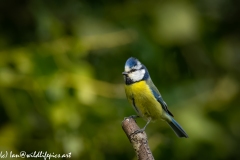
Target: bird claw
[(138, 131), (132, 116)]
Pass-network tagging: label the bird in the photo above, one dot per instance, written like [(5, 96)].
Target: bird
[(145, 98)]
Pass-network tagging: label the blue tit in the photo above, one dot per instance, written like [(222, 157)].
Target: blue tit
[(145, 97)]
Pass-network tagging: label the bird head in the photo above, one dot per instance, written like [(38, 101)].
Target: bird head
[(134, 71)]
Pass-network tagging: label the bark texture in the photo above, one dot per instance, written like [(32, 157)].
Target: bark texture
[(139, 140)]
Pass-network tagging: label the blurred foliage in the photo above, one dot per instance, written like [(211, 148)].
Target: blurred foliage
[(61, 88)]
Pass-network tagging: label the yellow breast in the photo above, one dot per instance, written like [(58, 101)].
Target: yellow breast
[(144, 100)]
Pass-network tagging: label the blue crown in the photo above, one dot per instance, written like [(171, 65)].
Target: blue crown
[(131, 62)]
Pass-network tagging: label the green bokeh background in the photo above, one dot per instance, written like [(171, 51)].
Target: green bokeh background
[(61, 88)]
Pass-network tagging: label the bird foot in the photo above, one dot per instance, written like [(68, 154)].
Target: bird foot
[(138, 131), (132, 116)]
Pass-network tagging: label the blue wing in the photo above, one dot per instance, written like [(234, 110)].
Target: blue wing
[(158, 96)]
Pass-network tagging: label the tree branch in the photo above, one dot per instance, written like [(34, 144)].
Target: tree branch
[(138, 140)]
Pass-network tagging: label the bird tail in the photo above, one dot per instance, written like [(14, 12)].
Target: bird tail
[(179, 131)]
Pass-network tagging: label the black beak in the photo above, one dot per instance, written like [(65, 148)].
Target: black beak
[(124, 73)]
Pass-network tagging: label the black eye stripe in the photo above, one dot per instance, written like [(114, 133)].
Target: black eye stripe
[(133, 70)]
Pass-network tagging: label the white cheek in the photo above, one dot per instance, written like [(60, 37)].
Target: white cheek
[(143, 72), (137, 75)]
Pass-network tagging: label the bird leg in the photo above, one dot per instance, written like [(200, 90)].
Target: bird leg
[(143, 129)]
